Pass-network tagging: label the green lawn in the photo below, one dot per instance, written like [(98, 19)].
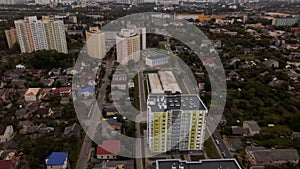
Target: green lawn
[(146, 89), (210, 149), (197, 157), (136, 94)]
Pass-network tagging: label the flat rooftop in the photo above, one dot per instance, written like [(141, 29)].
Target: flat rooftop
[(154, 53), (168, 81), (155, 85), (202, 164), (162, 103)]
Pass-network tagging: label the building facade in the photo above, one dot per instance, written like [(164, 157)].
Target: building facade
[(286, 21), (95, 40), (175, 122), (11, 37), (34, 34), (128, 44)]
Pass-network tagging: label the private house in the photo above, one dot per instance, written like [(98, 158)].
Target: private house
[(119, 81), (292, 46), (128, 164), (4, 94), (271, 63), (20, 113), (252, 126), (237, 131), (20, 67), (111, 123), (44, 112), (6, 164), (110, 109), (57, 160), (295, 135), (86, 92), (55, 72), (62, 91), (33, 94), (73, 130), (47, 82), (262, 156), (210, 63), (6, 133), (233, 76), (109, 149), (10, 145), (38, 129), (70, 71), (18, 83)]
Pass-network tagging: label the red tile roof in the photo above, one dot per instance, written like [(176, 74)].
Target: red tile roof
[(109, 147), (62, 90), (5, 164)]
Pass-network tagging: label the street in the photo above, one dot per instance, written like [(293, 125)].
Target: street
[(92, 124), (143, 107)]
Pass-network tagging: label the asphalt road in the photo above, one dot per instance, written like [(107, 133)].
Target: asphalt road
[(93, 122), (222, 147), (143, 108)]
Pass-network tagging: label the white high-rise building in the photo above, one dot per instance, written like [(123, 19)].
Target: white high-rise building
[(34, 34), (175, 122), (95, 40), (128, 46)]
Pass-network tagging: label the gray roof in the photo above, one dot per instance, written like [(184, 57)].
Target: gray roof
[(21, 113), (252, 125), (275, 155), (128, 164), (236, 130), (161, 102), (203, 164), (74, 129), (296, 134)]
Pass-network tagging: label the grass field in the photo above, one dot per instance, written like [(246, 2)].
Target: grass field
[(210, 149)]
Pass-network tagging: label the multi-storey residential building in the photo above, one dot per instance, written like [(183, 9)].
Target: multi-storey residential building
[(286, 21), (34, 34), (128, 46), (175, 122), (11, 37), (95, 42)]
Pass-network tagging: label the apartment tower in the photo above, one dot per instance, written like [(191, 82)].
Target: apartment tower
[(128, 44), (34, 34), (175, 122), (95, 42)]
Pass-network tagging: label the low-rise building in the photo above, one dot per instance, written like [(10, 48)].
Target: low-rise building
[(109, 149), (262, 156), (6, 164), (6, 133), (155, 58), (252, 126), (128, 164), (73, 130), (33, 94), (57, 160)]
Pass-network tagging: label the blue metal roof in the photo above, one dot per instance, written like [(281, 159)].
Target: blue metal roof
[(57, 158), (87, 89)]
